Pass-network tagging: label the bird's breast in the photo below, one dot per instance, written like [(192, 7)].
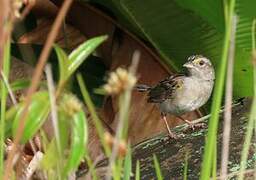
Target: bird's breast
[(192, 95)]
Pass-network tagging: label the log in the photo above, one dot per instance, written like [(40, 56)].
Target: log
[(171, 153)]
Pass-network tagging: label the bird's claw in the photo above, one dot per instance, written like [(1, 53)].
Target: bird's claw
[(194, 126), (176, 136), (173, 136)]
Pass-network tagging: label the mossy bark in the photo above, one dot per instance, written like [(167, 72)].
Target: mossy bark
[(171, 153)]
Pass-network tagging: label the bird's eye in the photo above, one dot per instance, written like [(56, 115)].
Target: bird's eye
[(201, 63)]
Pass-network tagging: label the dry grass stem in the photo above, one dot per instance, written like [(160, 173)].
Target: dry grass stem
[(33, 165), (54, 115), (11, 94), (234, 174)]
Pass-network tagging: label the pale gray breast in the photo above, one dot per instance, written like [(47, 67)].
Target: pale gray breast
[(193, 94)]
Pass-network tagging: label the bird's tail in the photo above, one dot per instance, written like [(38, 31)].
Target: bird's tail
[(142, 87)]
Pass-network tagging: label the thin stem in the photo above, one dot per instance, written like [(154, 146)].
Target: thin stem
[(236, 173), (54, 115), (7, 85), (91, 108), (228, 102)]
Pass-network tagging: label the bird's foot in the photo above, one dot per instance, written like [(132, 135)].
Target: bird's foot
[(194, 126), (173, 135)]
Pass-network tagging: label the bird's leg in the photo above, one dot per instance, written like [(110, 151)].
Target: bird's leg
[(191, 124), (171, 134)]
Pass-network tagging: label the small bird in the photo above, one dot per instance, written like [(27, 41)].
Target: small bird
[(181, 93)]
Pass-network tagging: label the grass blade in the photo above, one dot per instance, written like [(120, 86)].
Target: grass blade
[(128, 165), (92, 110), (137, 174), (185, 172), (217, 97), (6, 67), (157, 168)]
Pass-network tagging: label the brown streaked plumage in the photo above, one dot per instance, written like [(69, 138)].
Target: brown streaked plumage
[(181, 93)]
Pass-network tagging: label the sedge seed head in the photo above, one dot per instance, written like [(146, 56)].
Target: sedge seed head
[(119, 81), (70, 104)]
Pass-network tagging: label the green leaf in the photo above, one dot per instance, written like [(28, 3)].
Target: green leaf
[(20, 84), (9, 118), (78, 55), (64, 130), (78, 142), (63, 63), (37, 114), (209, 10), (179, 38), (157, 168), (50, 159), (247, 8)]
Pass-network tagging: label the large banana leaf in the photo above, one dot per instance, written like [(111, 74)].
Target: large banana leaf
[(178, 29)]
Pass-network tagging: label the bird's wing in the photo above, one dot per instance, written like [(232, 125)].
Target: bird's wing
[(165, 88)]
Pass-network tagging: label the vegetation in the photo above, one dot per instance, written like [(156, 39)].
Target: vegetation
[(66, 94)]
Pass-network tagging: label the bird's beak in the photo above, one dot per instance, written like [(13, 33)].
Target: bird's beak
[(188, 65)]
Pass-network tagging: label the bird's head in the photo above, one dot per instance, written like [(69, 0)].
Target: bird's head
[(200, 66)]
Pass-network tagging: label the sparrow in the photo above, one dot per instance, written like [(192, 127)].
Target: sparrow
[(182, 93)]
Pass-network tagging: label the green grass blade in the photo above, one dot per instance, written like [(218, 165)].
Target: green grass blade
[(128, 165), (217, 97), (6, 67), (91, 108), (214, 164), (20, 84), (137, 174), (185, 171), (90, 164), (157, 168)]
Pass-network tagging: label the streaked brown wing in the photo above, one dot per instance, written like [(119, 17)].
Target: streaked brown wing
[(164, 89)]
